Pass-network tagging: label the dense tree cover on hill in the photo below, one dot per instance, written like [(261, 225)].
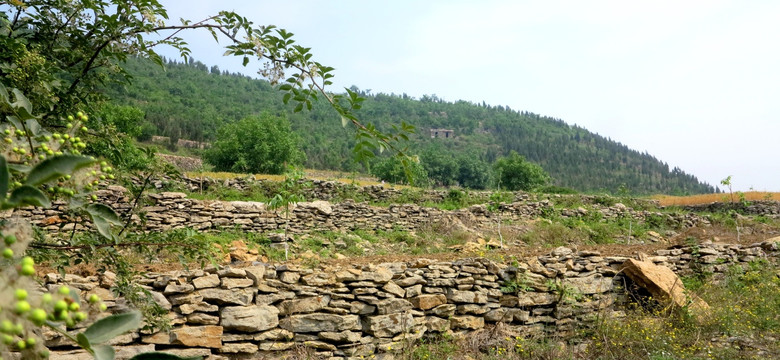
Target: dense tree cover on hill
[(191, 101)]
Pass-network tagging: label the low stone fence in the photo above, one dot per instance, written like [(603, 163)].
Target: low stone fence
[(172, 210), (359, 311), (769, 208)]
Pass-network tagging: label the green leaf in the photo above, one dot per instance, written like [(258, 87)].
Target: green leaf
[(103, 227), (104, 212), (56, 167), (18, 168), (5, 178), (27, 195), (162, 356), (34, 127), (21, 101), (104, 352), (112, 326), (83, 341)]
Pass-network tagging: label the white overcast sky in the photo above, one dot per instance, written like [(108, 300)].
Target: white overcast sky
[(694, 83)]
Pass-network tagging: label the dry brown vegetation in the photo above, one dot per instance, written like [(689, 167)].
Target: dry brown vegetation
[(668, 200)]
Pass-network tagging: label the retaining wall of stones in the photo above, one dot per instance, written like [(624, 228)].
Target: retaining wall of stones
[(172, 210), (355, 312)]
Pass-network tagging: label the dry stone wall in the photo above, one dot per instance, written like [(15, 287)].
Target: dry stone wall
[(172, 210), (354, 312)]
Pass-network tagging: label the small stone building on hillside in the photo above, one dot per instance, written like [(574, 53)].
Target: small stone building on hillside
[(442, 133)]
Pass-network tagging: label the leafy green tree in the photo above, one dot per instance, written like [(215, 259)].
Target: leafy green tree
[(516, 173), (473, 173), (441, 167), (391, 169), (125, 119), (263, 144)]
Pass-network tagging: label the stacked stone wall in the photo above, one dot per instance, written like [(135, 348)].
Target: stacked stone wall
[(172, 210), (355, 312)]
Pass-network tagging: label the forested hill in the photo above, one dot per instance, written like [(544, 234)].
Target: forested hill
[(192, 101)]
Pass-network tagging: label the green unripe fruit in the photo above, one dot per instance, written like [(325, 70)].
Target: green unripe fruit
[(61, 141), (56, 135), (28, 261), (66, 136), (70, 323), (8, 253), (7, 327), (49, 152), (79, 114), (15, 149), (27, 270), (72, 140), (70, 117), (8, 339), (103, 163), (8, 140), (64, 290), (44, 353), (46, 298), (102, 177), (67, 177), (31, 342), (69, 125), (61, 315), (111, 177), (107, 169), (102, 307), (18, 329), (21, 344), (38, 316), (93, 172), (58, 153), (41, 157), (80, 316), (7, 131), (84, 128), (74, 306), (94, 197), (47, 137), (22, 151), (10, 240), (20, 294), (60, 305), (22, 307), (94, 298)]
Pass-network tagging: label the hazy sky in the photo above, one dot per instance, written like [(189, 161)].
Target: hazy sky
[(694, 83)]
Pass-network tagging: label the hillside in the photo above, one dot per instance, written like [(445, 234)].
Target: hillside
[(192, 101)]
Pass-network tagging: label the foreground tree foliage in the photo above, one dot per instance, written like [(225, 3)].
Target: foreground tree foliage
[(262, 144), (60, 52)]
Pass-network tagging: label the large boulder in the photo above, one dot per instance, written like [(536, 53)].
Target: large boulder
[(665, 286)]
